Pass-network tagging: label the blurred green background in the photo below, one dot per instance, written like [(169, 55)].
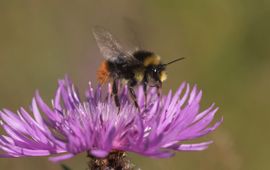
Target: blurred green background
[(226, 42)]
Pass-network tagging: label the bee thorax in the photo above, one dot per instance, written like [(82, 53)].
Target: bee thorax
[(152, 60), (139, 74)]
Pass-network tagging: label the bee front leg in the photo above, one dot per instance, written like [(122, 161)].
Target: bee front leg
[(131, 85), (145, 81), (115, 94), (159, 88)]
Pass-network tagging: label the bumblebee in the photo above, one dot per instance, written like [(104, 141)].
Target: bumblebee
[(139, 67)]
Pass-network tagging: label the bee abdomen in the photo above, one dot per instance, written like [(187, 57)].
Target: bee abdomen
[(103, 73)]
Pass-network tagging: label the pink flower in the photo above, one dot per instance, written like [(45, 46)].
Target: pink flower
[(94, 125)]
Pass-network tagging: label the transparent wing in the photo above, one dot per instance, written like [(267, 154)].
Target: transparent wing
[(132, 29), (109, 47)]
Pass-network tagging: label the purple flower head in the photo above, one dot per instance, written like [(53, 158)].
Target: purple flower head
[(96, 126)]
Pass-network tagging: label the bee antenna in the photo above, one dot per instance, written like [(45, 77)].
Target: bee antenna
[(178, 59)]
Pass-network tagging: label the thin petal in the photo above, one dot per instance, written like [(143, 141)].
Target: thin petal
[(61, 157)]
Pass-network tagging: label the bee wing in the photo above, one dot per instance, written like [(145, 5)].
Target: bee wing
[(109, 47), (133, 33)]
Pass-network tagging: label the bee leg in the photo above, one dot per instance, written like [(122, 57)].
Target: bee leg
[(131, 84), (159, 88), (145, 94), (115, 94), (145, 90), (133, 96)]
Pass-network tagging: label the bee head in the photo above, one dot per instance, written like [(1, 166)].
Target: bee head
[(156, 74)]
